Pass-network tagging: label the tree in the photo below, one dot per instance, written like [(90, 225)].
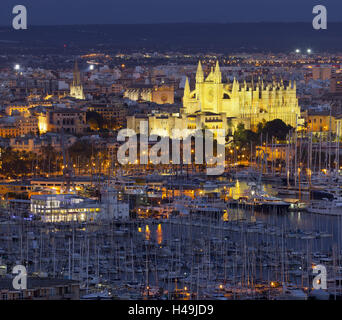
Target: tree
[(243, 137), (261, 126), (81, 152), (240, 136), (95, 120), (49, 159), (15, 162), (276, 128)]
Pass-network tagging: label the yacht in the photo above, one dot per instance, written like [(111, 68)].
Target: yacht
[(293, 294), (326, 207), (258, 198)]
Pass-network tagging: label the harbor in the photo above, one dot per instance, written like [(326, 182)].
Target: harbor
[(221, 244)]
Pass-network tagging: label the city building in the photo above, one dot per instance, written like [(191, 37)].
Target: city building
[(64, 208), (159, 94), (336, 83), (19, 108), (37, 144), (112, 208), (71, 120), (321, 121), (18, 125), (71, 207), (110, 111), (324, 72)]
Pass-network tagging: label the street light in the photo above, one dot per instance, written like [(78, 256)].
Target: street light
[(309, 51), (297, 50), (17, 67)]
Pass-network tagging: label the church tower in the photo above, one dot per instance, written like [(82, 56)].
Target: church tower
[(76, 88)]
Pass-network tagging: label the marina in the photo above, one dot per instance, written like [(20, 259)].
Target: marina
[(247, 246)]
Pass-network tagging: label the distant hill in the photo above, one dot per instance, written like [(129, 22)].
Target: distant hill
[(192, 37)]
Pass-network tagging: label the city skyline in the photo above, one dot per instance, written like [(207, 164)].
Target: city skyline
[(170, 151)]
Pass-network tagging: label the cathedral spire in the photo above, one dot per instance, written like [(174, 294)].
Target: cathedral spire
[(186, 88), (217, 67), (76, 88), (77, 75), (235, 86), (199, 73), (218, 75)]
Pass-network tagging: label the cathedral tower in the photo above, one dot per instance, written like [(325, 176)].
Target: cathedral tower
[(76, 88)]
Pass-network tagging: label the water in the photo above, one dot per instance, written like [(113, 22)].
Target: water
[(290, 220)]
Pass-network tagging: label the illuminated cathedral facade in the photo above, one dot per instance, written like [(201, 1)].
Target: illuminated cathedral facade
[(76, 88), (213, 105)]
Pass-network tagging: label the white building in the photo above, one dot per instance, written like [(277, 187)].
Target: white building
[(71, 207), (112, 209), (64, 208)]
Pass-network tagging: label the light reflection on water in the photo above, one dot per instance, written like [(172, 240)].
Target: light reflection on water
[(289, 220), (147, 232), (159, 233)]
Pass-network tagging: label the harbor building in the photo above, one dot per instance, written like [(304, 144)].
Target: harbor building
[(71, 207), (64, 208)]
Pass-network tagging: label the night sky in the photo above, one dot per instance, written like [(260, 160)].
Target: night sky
[(47, 12)]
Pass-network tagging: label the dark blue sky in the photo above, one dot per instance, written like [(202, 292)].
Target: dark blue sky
[(47, 12)]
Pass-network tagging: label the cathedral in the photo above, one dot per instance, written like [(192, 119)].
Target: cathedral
[(76, 88), (217, 105)]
